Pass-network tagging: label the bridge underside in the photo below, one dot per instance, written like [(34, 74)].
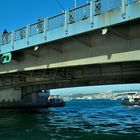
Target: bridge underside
[(87, 59), (98, 74), (15, 86)]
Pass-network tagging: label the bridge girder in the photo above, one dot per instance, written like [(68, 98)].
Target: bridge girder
[(87, 59), (74, 76)]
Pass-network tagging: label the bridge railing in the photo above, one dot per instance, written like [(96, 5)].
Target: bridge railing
[(5, 38), (36, 28), (20, 34), (132, 1), (56, 21), (80, 13), (107, 5), (74, 15)]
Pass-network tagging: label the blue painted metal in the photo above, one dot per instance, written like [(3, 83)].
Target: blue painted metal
[(92, 7), (56, 21), (94, 15), (131, 1), (108, 5), (66, 21), (124, 3), (79, 13)]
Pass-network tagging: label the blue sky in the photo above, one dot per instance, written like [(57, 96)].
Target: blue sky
[(15, 14)]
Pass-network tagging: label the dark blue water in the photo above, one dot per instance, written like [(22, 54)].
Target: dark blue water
[(84, 120)]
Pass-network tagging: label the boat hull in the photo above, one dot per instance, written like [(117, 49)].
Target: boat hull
[(131, 103)]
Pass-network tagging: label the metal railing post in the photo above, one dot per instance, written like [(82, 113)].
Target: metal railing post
[(27, 33), (1, 38), (12, 39), (0, 42), (124, 2), (66, 21), (45, 28), (91, 13), (75, 6)]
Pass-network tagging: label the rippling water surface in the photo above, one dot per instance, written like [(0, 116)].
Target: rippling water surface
[(84, 120)]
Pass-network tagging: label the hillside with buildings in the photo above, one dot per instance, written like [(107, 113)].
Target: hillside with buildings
[(114, 95)]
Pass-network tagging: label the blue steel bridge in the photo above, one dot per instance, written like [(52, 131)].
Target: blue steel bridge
[(95, 43), (88, 17)]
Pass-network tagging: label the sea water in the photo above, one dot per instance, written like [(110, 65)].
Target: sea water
[(79, 119)]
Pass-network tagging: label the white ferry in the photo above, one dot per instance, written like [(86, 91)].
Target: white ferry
[(133, 98)]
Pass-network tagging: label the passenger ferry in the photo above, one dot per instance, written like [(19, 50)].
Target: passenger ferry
[(133, 98)]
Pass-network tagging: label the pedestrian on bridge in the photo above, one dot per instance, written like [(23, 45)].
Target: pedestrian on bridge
[(40, 25), (5, 37)]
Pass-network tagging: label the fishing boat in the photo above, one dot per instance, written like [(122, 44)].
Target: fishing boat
[(133, 99)]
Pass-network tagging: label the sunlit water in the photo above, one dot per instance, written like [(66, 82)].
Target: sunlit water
[(84, 120)]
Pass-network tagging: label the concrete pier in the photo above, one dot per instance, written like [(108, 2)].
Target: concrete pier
[(10, 94)]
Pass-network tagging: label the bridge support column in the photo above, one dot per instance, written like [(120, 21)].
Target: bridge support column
[(29, 95), (10, 94), (34, 98)]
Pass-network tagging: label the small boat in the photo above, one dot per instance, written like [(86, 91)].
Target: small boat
[(51, 101), (133, 99)]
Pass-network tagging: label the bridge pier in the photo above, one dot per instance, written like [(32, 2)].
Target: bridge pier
[(10, 94), (28, 95), (34, 98), (14, 95)]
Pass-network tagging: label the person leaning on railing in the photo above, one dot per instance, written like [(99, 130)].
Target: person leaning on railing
[(5, 37), (22, 33), (40, 25)]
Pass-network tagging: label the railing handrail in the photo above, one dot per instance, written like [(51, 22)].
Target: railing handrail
[(6, 34), (20, 29), (56, 16), (79, 7)]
